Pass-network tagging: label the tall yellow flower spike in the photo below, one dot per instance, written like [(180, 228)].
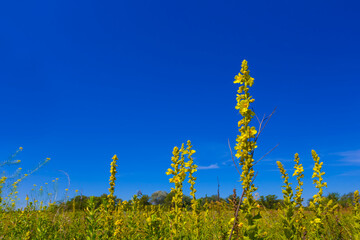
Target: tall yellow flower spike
[(191, 169), (179, 173), (245, 146), (288, 223), (111, 197), (319, 183), (299, 173), (245, 141)]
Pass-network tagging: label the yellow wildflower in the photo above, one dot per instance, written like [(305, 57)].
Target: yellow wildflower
[(317, 220)]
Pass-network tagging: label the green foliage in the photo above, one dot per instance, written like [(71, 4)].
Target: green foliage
[(177, 216), (158, 197), (270, 201)]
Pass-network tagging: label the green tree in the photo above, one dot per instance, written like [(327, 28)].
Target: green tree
[(144, 200), (334, 196), (158, 197), (346, 200), (270, 201)]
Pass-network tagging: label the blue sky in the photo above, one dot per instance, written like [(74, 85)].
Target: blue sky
[(83, 80)]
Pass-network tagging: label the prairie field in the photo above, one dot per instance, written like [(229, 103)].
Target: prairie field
[(179, 120), (242, 215)]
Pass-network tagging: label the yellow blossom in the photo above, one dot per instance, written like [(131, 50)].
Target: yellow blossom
[(317, 220)]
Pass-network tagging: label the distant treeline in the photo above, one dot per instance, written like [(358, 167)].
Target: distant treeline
[(165, 200)]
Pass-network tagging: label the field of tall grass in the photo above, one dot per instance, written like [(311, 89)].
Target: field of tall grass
[(241, 216)]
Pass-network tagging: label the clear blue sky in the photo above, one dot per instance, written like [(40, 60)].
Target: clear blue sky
[(83, 80)]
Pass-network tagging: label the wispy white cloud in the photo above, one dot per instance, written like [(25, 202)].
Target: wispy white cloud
[(349, 157), (350, 173), (228, 162), (274, 160), (212, 166)]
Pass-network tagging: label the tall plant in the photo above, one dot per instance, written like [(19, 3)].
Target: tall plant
[(245, 146)]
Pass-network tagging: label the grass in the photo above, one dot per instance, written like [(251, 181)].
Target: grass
[(239, 217)]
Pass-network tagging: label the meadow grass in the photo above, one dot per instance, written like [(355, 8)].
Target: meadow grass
[(240, 217)]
